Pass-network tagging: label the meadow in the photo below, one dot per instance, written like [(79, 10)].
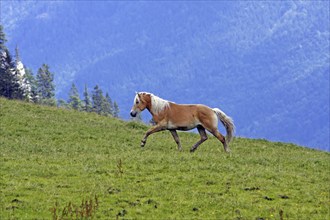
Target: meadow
[(61, 164)]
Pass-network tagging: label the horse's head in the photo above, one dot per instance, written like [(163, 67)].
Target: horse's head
[(141, 102)]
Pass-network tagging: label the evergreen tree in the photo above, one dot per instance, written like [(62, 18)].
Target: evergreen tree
[(87, 106), (33, 86), (3, 51), (9, 84), (104, 106), (62, 104), (74, 100), (115, 110), (17, 56), (3, 39), (108, 106), (98, 100), (45, 86), (13, 84), (24, 90), (6, 77), (139, 117)]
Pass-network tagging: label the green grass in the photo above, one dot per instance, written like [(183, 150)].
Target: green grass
[(60, 164)]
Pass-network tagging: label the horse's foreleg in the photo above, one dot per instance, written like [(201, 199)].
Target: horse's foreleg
[(203, 135), (176, 138), (151, 131)]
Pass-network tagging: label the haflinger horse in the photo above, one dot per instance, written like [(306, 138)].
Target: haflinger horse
[(170, 116)]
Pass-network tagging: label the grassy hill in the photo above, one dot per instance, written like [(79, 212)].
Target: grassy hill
[(64, 164)]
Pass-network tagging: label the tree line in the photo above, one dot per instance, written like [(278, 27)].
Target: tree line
[(18, 82), (97, 103)]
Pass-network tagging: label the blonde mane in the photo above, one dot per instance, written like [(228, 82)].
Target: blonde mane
[(158, 104)]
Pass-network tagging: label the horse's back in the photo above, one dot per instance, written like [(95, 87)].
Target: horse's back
[(190, 114), (190, 108)]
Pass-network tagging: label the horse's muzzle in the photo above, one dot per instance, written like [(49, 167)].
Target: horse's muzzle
[(133, 113)]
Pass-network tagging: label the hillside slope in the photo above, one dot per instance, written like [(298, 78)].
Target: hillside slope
[(65, 164), (268, 58)]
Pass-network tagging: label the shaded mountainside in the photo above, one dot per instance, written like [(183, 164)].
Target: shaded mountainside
[(266, 64), (62, 164)]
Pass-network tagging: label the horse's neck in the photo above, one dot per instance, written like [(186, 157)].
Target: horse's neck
[(150, 108), (149, 105), (157, 117), (158, 108), (158, 105)]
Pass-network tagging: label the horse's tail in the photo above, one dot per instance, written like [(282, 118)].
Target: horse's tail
[(227, 122)]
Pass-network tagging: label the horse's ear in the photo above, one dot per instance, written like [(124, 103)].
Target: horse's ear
[(138, 94)]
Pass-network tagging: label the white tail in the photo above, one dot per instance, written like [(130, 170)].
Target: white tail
[(227, 122)]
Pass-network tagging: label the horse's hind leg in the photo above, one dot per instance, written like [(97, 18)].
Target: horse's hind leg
[(176, 138), (221, 138), (203, 135)]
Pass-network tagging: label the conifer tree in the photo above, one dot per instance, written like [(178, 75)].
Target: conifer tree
[(24, 89), (45, 86), (139, 117), (87, 103), (6, 77), (104, 106), (98, 100), (108, 106), (115, 110), (33, 85), (74, 99), (2, 39), (61, 103), (13, 83), (9, 85)]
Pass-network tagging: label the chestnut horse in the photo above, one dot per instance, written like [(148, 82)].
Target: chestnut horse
[(170, 116)]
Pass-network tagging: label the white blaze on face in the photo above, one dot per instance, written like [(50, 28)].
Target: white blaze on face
[(136, 99), (135, 110)]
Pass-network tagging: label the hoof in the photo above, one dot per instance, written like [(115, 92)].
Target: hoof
[(192, 150)]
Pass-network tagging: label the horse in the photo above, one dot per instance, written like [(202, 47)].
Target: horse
[(171, 116)]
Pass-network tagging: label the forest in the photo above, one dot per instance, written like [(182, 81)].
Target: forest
[(19, 82)]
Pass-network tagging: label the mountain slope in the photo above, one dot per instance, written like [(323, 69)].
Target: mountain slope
[(65, 164), (266, 64)]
